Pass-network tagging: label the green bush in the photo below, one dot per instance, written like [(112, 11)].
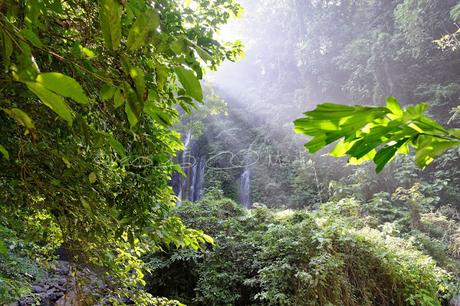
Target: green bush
[(17, 270), (267, 257)]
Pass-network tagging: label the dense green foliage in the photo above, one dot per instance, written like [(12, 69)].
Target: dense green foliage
[(88, 96), (337, 255), (16, 265)]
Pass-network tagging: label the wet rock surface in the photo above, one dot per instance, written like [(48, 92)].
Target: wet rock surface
[(49, 290), (60, 287), (71, 285)]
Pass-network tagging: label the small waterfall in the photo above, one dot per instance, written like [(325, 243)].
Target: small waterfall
[(188, 137), (193, 164), (192, 181), (245, 188), (178, 182), (199, 179)]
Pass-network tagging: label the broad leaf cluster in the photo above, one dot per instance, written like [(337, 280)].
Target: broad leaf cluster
[(376, 133)]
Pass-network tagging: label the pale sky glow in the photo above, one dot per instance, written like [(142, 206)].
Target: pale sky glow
[(231, 31)]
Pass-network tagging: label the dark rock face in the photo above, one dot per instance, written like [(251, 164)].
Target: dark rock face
[(52, 288), (67, 286)]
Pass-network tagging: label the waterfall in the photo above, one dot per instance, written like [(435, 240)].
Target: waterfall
[(245, 188), (192, 181), (199, 179), (193, 162), (188, 137), (245, 179)]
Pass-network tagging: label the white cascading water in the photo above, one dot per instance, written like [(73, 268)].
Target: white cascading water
[(191, 186), (245, 188)]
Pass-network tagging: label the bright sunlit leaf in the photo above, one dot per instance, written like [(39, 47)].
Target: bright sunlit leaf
[(142, 28), (52, 100), (110, 22), (190, 82), (63, 85), (376, 133), (4, 152)]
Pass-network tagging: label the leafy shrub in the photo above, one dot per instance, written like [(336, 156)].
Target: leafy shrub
[(17, 270), (267, 257)]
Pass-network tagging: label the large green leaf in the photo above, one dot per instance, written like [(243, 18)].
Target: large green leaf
[(162, 74), (429, 147), (133, 107), (454, 133), (179, 46), (114, 144), (415, 112), (158, 113), (393, 106), (63, 85), (31, 37), (190, 83), (205, 56), (107, 91), (21, 117), (110, 22), (4, 152), (429, 125), (133, 117), (377, 133), (118, 98), (142, 28), (386, 154), (25, 68), (52, 100), (369, 141), (139, 81), (7, 49), (330, 122), (117, 146), (341, 148)]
